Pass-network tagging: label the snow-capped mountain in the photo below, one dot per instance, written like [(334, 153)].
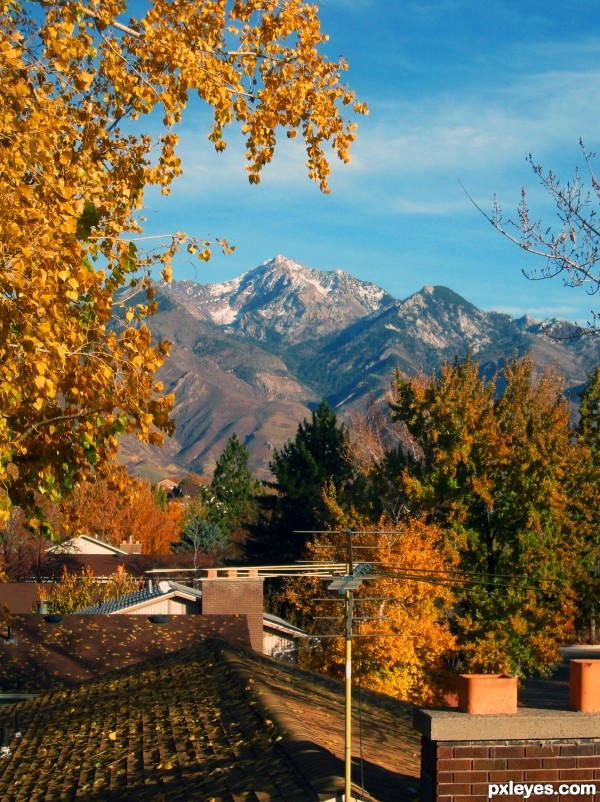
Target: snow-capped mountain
[(253, 354), (281, 300)]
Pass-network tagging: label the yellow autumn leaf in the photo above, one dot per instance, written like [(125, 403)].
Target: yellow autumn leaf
[(73, 186), (84, 80)]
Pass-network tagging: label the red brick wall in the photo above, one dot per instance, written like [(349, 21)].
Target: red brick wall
[(461, 771), (239, 596)]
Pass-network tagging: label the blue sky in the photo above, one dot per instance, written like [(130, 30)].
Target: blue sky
[(457, 89)]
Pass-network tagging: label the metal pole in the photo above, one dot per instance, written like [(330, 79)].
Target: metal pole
[(348, 701), (349, 597)]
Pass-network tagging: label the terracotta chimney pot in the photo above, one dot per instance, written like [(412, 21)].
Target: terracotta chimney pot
[(584, 685), (487, 694)]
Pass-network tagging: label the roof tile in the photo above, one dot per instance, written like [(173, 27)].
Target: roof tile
[(201, 723)]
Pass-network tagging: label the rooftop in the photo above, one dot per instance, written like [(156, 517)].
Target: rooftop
[(207, 722), (81, 648)]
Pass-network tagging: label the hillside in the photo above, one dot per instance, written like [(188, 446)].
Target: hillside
[(253, 354)]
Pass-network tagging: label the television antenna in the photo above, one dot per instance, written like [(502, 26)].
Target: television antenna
[(352, 580), (345, 586)]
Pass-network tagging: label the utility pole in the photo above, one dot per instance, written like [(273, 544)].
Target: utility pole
[(349, 599), (347, 585)]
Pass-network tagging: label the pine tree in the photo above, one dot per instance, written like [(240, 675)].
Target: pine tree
[(233, 488), (318, 457)]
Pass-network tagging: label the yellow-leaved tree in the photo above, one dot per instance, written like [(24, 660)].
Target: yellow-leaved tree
[(403, 641), (73, 172)]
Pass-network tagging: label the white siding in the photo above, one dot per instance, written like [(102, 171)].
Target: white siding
[(277, 644)]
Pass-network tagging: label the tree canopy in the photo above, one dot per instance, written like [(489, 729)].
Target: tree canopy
[(584, 501), (203, 538), (492, 469), (318, 457), (233, 488), (135, 517), (73, 592), (405, 644), (75, 82)]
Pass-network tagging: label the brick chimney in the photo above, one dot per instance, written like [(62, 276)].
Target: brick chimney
[(234, 594), (131, 548)]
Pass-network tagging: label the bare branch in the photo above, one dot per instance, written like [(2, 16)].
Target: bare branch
[(570, 249)]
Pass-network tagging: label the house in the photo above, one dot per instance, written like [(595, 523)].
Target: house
[(280, 638), (84, 544), (235, 593), (168, 485), (137, 711), (103, 559), (127, 708), (162, 598), (224, 595)]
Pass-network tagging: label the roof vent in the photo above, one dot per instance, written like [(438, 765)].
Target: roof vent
[(159, 619), (4, 747), (10, 639)]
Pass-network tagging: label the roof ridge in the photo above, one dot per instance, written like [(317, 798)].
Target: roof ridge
[(112, 605)]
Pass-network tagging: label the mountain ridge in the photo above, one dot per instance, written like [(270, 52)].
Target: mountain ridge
[(254, 354)]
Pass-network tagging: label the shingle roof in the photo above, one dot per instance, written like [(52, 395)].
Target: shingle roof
[(123, 602), (85, 647), (173, 729), (281, 623), (183, 588), (71, 546), (106, 564), (19, 597), (309, 709), (204, 723)]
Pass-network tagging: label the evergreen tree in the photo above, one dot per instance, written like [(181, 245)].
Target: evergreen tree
[(318, 457), (233, 488)]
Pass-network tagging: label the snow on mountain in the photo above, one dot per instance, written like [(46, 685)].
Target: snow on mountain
[(282, 300), (254, 354)]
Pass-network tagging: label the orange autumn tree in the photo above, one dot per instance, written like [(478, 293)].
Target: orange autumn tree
[(75, 591), (407, 655), (103, 511), (76, 83)]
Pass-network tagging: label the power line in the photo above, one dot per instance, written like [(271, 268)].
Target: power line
[(352, 580)]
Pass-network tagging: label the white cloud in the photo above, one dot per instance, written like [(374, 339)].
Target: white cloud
[(560, 311), (481, 128)]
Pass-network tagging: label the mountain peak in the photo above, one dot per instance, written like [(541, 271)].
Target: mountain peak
[(280, 260), (251, 353), (282, 300)]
